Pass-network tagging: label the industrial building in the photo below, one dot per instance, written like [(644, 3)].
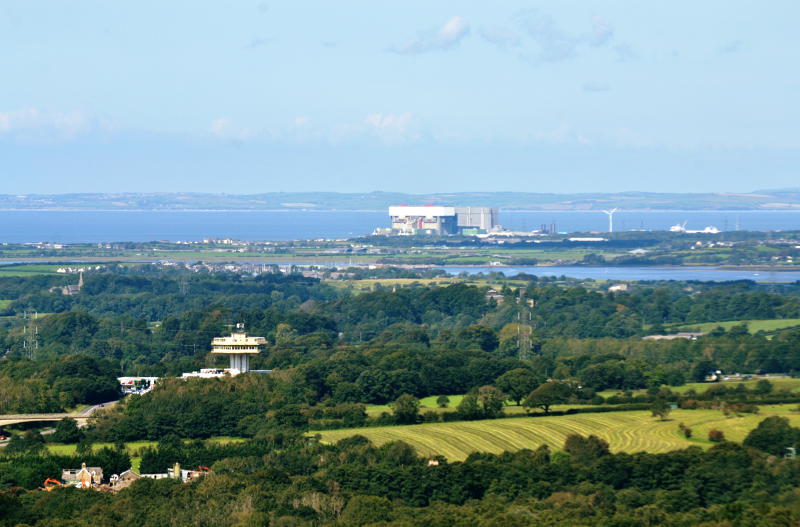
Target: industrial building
[(441, 221), (238, 347)]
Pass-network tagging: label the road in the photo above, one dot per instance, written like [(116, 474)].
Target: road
[(81, 417)]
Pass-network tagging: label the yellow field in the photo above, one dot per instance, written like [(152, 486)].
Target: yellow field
[(624, 431)]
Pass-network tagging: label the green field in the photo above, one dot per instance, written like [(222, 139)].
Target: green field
[(624, 431), (753, 326), (779, 383), (425, 404), (369, 284), (133, 447), (28, 269), (4, 304)]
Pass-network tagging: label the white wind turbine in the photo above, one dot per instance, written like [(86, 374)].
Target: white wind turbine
[(611, 218)]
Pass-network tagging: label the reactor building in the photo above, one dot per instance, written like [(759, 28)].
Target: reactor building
[(442, 221)]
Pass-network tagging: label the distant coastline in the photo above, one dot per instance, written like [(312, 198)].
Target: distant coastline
[(775, 201), (374, 211)]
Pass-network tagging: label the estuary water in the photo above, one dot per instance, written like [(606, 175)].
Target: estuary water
[(143, 226), (638, 273)]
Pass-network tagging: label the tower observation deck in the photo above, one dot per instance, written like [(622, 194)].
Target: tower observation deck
[(238, 346)]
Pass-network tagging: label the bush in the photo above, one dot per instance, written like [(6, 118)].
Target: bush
[(364, 510), (67, 431), (31, 442), (406, 409), (685, 430), (716, 436), (689, 404), (431, 417)]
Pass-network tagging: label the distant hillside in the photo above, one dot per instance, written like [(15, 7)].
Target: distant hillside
[(788, 199)]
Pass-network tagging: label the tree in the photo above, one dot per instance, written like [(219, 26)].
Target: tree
[(477, 337), (701, 369), (763, 387), (586, 450), (548, 394), (366, 510), (84, 447), (67, 431), (685, 430), (287, 417), (442, 401), (469, 408), (405, 409), (716, 436), (518, 383), (660, 408), (31, 442), (773, 435), (491, 401)]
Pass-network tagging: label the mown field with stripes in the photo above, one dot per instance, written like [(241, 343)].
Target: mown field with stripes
[(624, 431)]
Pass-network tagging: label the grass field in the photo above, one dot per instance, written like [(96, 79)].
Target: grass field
[(624, 431), (28, 269), (753, 326), (370, 283), (133, 447), (425, 404), (779, 383), (4, 304), (429, 403)]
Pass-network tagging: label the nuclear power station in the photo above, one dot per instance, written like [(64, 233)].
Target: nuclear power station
[(440, 221)]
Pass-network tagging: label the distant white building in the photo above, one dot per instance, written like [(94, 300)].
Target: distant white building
[(138, 385), (681, 335), (439, 220)]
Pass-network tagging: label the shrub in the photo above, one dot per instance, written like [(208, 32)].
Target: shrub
[(716, 436), (685, 430), (431, 417)]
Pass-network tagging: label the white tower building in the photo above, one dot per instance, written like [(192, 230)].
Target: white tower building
[(239, 347)]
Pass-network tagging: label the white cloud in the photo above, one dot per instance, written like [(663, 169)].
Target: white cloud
[(32, 121), (445, 37), (602, 31), (564, 133), (223, 128), (389, 122), (543, 40), (388, 127), (625, 52), (554, 44), (220, 126), (502, 37)]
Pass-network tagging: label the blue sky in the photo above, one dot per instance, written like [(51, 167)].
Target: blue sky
[(256, 96)]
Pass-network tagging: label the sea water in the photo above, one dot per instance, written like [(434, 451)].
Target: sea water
[(143, 226)]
